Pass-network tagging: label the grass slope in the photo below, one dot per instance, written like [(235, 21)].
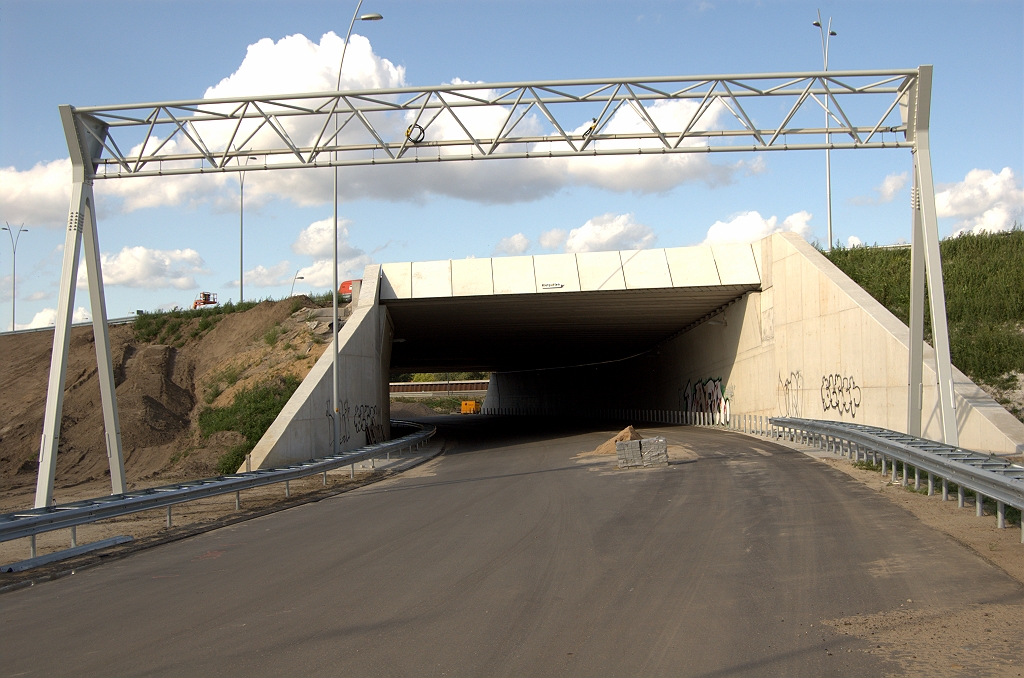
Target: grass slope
[(983, 277)]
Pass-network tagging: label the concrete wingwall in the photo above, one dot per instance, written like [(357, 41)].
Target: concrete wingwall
[(304, 428), (811, 343)]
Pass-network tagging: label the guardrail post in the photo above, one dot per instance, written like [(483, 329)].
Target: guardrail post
[(287, 489), (169, 523), (1000, 515), (892, 480), (352, 471), (74, 536), (917, 478), (32, 546), (325, 478), (906, 473), (883, 464), (238, 501), (959, 496), (931, 484), (979, 504), (945, 489)]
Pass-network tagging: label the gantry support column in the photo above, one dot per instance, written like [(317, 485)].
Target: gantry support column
[(925, 246), (84, 143)]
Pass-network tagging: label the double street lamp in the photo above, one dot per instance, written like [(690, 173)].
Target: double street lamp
[(14, 266), (334, 292), (827, 33)]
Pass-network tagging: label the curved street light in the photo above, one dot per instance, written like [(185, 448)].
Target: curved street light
[(14, 266), (827, 33), (297, 277), (334, 294)]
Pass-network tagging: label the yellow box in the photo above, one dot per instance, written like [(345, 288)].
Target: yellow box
[(470, 407)]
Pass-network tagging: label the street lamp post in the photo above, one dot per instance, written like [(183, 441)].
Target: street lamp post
[(334, 295), (241, 220), (14, 266), (827, 33), (297, 277)]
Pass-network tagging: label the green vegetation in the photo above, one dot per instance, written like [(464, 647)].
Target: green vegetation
[(165, 326), (440, 376), (272, 334), (983, 276), (251, 414)]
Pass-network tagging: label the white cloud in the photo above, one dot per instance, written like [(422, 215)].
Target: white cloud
[(553, 239), (317, 241), (751, 226), (37, 296), (37, 196), (886, 191), (610, 232), (261, 276), (854, 241), (318, 274), (48, 317), (151, 269), (513, 245), (984, 201), (297, 64)]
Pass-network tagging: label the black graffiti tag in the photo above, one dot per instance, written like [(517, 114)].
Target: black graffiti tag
[(840, 393)]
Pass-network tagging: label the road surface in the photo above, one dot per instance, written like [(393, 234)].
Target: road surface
[(509, 555)]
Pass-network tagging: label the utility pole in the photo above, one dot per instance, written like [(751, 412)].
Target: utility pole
[(14, 267), (827, 33)]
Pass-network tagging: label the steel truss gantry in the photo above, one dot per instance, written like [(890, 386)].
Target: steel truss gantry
[(567, 119)]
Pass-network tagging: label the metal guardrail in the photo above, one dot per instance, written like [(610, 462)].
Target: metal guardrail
[(88, 323), (985, 475), (36, 521)]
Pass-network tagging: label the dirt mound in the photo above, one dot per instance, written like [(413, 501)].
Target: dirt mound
[(608, 447), (163, 380), (402, 410)]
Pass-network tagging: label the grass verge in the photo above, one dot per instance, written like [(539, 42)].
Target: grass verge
[(251, 413)]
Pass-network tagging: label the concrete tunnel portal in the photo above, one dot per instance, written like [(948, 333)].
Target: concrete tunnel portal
[(770, 328), (551, 326)]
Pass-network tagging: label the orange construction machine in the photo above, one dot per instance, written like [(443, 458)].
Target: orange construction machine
[(345, 290), (205, 299)]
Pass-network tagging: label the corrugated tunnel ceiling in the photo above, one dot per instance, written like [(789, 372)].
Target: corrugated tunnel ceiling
[(529, 331)]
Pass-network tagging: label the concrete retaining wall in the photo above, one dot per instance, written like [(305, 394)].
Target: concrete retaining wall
[(304, 430), (811, 343)]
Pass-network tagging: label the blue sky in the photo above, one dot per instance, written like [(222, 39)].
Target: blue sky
[(104, 52)]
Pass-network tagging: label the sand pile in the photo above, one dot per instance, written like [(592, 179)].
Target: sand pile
[(608, 447), (161, 388)]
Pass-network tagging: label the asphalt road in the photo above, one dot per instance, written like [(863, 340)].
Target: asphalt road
[(509, 556)]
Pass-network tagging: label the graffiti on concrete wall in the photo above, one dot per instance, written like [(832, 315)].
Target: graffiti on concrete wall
[(367, 418), (706, 396), (343, 413), (841, 394), (789, 394)]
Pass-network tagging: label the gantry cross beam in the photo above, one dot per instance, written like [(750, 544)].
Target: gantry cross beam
[(566, 119)]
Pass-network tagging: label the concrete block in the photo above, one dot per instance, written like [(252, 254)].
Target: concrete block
[(431, 279), (396, 282), (472, 277), (736, 265), (556, 273), (692, 266), (514, 275), (600, 271), (645, 269)]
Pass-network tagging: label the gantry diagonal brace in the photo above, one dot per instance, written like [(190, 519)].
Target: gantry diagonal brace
[(84, 135)]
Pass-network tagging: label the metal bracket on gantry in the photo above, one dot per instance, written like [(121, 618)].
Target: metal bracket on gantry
[(571, 119), (85, 135)]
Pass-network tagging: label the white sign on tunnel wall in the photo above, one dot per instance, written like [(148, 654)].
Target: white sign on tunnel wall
[(706, 397)]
